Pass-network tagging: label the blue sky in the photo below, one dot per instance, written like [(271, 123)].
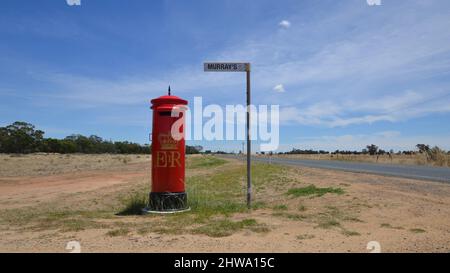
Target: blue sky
[(352, 74)]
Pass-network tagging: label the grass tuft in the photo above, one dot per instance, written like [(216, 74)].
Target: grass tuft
[(133, 204), (118, 232), (329, 224), (350, 233), (417, 230), (305, 236), (387, 225), (314, 191), (280, 207), (226, 227)]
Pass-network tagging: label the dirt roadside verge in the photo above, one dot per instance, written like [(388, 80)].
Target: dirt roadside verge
[(402, 215)]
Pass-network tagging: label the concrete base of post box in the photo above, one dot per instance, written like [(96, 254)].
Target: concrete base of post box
[(167, 202)]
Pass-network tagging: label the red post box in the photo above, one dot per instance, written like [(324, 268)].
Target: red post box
[(168, 155)]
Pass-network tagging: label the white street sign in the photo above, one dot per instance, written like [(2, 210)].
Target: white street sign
[(239, 67), (226, 67)]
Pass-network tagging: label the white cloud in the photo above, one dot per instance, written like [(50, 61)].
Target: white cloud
[(373, 2), (73, 2), (390, 108), (285, 24), (279, 88)]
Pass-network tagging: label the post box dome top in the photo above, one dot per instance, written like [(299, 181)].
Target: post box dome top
[(168, 100)]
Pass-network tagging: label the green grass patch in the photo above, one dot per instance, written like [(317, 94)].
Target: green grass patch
[(350, 232), (37, 219), (290, 216), (226, 227), (314, 191), (387, 225), (118, 232), (417, 230), (259, 205), (280, 207), (224, 192), (204, 161), (332, 218), (353, 219), (327, 224), (295, 217)]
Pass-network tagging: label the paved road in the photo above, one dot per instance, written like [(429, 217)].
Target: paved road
[(441, 174)]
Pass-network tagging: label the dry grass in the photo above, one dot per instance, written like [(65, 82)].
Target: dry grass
[(49, 164), (440, 158)]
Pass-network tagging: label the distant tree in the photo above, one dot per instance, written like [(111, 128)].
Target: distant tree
[(4, 140), (51, 145), (193, 149), (423, 148), (67, 147), (95, 139), (20, 137), (372, 149)]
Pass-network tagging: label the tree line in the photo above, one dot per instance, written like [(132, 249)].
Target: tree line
[(22, 137), (373, 149)]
